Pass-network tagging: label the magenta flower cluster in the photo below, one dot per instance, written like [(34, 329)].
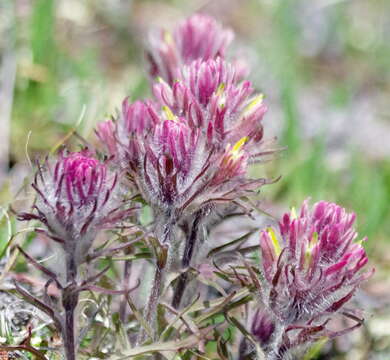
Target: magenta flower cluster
[(77, 195), (310, 269), (189, 148), (198, 37), (185, 152)]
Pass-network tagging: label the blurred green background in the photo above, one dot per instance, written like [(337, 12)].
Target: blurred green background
[(323, 66)]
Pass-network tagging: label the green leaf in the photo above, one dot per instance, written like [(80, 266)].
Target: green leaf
[(315, 350)]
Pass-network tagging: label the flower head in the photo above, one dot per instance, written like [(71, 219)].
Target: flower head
[(105, 131), (180, 174), (209, 96), (138, 117), (190, 148), (120, 136), (76, 196), (198, 37), (168, 162), (311, 271)]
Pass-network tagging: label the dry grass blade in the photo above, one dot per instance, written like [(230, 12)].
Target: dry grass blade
[(231, 243), (39, 304), (203, 305), (187, 321), (169, 346), (216, 309), (27, 348), (139, 316)]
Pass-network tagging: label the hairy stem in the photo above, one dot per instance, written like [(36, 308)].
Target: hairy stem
[(70, 297), (68, 335), (276, 352), (123, 305), (163, 264), (187, 256), (179, 290), (151, 307)]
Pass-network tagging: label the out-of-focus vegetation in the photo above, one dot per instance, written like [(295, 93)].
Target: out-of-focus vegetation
[(323, 66)]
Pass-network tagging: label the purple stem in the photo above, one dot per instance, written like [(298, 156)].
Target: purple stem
[(123, 305), (187, 256), (70, 297)]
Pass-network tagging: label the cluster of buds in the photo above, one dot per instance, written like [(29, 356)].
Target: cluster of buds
[(190, 147), (309, 273), (198, 37), (123, 137), (77, 196), (209, 95), (181, 175), (186, 151)]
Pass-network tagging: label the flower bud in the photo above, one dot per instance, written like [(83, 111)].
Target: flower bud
[(106, 133), (209, 96), (198, 37), (76, 197), (262, 327), (310, 270), (180, 174)]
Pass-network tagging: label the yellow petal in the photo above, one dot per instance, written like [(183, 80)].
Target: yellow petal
[(168, 113), (275, 241), (236, 150), (240, 143), (314, 238), (168, 38), (220, 89), (294, 213), (254, 102)]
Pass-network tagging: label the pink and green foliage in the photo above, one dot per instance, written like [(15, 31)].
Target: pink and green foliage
[(186, 154), (310, 269)]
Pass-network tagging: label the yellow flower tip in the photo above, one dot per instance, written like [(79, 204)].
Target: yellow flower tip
[(275, 241), (294, 213), (168, 113), (308, 256), (315, 238), (257, 100), (168, 38), (309, 249), (240, 143), (235, 152), (220, 89)]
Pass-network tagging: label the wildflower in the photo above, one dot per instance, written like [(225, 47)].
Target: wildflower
[(309, 275), (190, 148), (120, 136), (138, 117), (106, 133), (76, 196), (198, 37), (210, 97), (179, 174)]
